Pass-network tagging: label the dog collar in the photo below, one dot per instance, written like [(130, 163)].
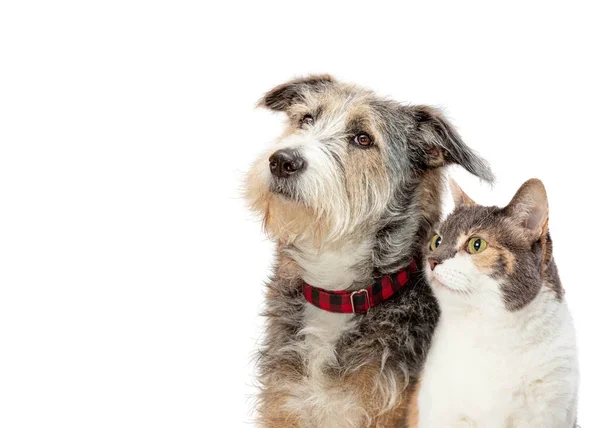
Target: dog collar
[(358, 301)]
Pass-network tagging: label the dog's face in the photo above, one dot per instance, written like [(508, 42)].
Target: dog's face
[(343, 159)]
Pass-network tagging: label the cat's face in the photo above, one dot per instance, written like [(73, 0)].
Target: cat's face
[(492, 258)]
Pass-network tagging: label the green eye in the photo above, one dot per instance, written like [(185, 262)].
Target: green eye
[(435, 242), (476, 245)]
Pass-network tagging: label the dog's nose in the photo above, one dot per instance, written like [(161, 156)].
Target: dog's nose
[(286, 162), (433, 263)]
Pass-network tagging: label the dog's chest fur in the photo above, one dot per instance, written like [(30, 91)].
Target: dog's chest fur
[(323, 369), (327, 395), (317, 397)]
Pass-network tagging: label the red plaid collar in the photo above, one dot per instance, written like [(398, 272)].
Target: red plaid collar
[(359, 301)]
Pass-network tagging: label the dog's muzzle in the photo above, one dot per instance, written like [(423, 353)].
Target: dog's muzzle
[(286, 162)]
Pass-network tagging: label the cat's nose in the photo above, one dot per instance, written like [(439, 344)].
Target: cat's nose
[(433, 263)]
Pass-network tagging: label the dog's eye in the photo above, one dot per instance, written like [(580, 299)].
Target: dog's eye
[(307, 120), (363, 140)]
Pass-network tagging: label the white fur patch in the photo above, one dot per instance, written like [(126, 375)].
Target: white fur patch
[(331, 269), (460, 286), (316, 400), (490, 368)]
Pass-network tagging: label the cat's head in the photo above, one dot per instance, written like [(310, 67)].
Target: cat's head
[(490, 257)]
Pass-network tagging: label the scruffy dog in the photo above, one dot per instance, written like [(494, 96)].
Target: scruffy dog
[(349, 192)]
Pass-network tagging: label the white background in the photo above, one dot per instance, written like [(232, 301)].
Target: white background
[(130, 270)]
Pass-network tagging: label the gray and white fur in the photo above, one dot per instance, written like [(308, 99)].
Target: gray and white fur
[(349, 192)]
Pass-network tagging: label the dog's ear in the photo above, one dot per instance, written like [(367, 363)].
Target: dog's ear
[(438, 144), (283, 96)]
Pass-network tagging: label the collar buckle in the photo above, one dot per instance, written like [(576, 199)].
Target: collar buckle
[(368, 304)]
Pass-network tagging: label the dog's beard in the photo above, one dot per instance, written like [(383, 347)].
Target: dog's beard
[(310, 209), (286, 188), (321, 204), (288, 216)]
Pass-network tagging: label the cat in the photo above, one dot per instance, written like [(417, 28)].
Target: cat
[(503, 354)]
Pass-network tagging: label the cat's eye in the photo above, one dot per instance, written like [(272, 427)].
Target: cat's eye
[(476, 245), (435, 242), (307, 120)]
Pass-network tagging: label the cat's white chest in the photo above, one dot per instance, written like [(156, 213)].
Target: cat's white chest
[(465, 370), (488, 375)]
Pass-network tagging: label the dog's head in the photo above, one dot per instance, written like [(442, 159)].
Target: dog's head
[(345, 159)]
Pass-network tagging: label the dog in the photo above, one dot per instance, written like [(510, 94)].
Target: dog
[(349, 192)]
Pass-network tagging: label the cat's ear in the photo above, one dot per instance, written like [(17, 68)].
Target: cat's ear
[(438, 144), (529, 207), (461, 199), (283, 96)]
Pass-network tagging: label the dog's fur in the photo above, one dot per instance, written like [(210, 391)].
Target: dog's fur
[(351, 215)]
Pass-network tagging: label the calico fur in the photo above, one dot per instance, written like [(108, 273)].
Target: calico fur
[(504, 353)]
